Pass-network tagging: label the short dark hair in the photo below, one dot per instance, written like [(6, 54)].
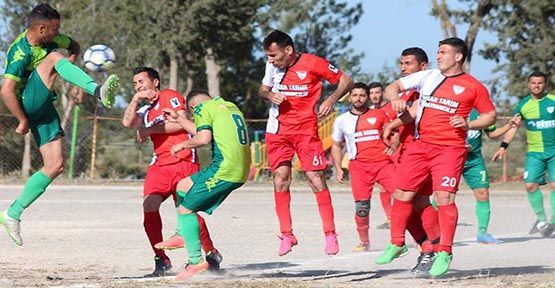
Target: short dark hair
[(194, 93), (281, 39), (417, 52), (152, 74), (375, 85), (538, 74), (456, 43), (360, 85), (41, 13)]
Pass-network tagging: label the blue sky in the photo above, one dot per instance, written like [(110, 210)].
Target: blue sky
[(387, 27)]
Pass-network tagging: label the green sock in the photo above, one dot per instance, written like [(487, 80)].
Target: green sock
[(536, 201), (34, 187), (189, 228), (75, 75), (482, 214), (552, 206)]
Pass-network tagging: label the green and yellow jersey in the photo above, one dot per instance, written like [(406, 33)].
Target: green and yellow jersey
[(230, 141), (22, 58), (539, 120)]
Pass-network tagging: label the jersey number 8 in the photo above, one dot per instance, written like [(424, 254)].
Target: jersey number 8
[(241, 129)]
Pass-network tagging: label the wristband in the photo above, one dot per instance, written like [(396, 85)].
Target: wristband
[(504, 145)]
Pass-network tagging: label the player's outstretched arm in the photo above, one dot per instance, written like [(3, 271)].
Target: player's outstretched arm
[(179, 118), (515, 122), (485, 120), (345, 85), (507, 138), (337, 156), (11, 101)]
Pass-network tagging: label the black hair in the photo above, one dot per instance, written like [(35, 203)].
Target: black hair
[(42, 13), (281, 39), (456, 43), (375, 85), (538, 74), (194, 93), (152, 74), (417, 52), (360, 85)]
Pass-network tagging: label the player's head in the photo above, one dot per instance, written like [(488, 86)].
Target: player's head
[(375, 92), (451, 54), (145, 78), (412, 60), (44, 21), (279, 48), (358, 97), (195, 97), (537, 83)]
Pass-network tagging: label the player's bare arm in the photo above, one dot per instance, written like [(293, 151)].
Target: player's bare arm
[(507, 138), (392, 94), (343, 87), (337, 156), (11, 101), (485, 120), (180, 118), (202, 138), (130, 117), (266, 93), (515, 122)]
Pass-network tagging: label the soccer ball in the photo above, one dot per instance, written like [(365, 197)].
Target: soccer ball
[(99, 58)]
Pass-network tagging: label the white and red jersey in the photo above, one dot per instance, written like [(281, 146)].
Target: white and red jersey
[(153, 115), (301, 83), (441, 98), (406, 132), (362, 134)]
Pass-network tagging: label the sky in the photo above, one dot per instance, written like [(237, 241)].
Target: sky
[(388, 27)]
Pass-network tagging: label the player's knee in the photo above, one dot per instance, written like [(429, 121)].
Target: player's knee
[(316, 180), (531, 187), (482, 195), (182, 210), (362, 208), (53, 57), (282, 181)]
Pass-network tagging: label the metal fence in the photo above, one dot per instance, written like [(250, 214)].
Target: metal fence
[(107, 151)]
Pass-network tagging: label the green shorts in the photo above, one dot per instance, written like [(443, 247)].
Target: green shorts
[(207, 192), (37, 103), (536, 165), (475, 173)]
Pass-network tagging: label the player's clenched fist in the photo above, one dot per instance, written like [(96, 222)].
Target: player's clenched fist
[(276, 98)]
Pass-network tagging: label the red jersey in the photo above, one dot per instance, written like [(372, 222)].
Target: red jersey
[(301, 83), (440, 99), (406, 132), (362, 134), (152, 115)]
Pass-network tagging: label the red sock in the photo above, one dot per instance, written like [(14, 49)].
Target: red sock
[(205, 240), (400, 214), (283, 211), (385, 198), (430, 222), (363, 223), (153, 228), (448, 217), (414, 226), (325, 208)]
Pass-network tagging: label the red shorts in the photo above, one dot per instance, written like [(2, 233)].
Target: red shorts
[(162, 180), (364, 175), (426, 187), (421, 160), (308, 148)]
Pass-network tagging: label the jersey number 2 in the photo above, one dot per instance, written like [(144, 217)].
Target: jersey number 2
[(241, 129)]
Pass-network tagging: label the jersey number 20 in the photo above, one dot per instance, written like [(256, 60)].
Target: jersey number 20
[(241, 129)]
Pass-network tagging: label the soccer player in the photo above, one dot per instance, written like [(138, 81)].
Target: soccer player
[(447, 95), (369, 162), (165, 170), (423, 223), (538, 112), (476, 175), (222, 125), (293, 84), (32, 65)]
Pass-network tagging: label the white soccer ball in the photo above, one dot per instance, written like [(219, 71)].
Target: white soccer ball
[(99, 58)]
